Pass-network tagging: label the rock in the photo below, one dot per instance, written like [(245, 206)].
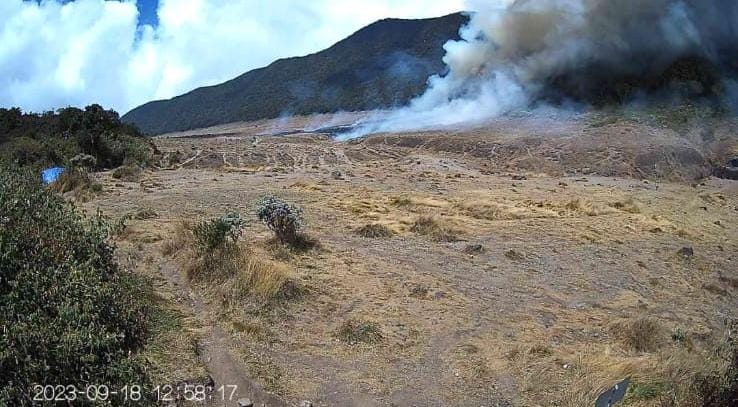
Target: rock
[(686, 252), (519, 177), (733, 162), (563, 184), (306, 403), (245, 403), (336, 174)]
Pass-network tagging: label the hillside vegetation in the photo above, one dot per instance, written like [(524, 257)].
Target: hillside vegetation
[(384, 64), (55, 138), (68, 314)]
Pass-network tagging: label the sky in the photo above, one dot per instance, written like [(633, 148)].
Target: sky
[(123, 53)]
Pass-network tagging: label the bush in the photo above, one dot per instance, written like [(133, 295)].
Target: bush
[(63, 138), (83, 161), (127, 173), (283, 219), (216, 233), (68, 314)]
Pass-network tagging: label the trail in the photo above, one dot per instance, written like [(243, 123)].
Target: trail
[(215, 353)]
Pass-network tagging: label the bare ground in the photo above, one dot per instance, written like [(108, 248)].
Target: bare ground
[(560, 231)]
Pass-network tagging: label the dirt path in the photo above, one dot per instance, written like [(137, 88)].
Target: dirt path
[(215, 353)]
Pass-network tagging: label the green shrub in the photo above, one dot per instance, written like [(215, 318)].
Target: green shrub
[(215, 233), (284, 219), (68, 314), (90, 138)]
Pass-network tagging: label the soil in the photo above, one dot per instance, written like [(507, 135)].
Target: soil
[(576, 227)]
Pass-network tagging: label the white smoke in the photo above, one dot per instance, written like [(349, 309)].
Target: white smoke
[(56, 53), (510, 56)]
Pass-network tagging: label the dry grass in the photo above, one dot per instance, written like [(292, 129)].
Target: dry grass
[(429, 226), (629, 205), (78, 183), (182, 238), (485, 210), (583, 206), (374, 230), (267, 280), (173, 346), (239, 273), (354, 331), (127, 173), (641, 334)]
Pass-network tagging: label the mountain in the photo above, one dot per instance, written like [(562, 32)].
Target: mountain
[(384, 64)]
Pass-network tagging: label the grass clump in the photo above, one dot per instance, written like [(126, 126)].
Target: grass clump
[(127, 173), (374, 230), (638, 391), (67, 311), (78, 183), (268, 281), (429, 226), (284, 219), (629, 205), (180, 239), (641, 334), (216, 233), (354, 331), (211, 253)]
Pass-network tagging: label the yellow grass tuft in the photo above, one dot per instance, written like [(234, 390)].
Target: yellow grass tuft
[(431, 227)]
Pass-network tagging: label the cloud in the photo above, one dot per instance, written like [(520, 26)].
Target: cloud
[(94, 51)]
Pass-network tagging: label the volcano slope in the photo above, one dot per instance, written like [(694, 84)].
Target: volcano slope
[(531, 261)]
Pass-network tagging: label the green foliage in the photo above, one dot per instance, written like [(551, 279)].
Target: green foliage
[(68, 314), (216, 233), (644, 391), (284, 219), (92, 138), (679, 336)]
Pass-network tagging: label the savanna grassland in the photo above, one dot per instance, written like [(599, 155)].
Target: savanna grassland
[(527, 262)]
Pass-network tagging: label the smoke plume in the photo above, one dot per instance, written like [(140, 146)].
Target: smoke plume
[(588, 52)]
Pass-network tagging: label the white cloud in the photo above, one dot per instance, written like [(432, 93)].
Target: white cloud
[(92, 51)]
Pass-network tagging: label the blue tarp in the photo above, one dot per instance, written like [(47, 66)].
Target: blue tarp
[(50, 175)]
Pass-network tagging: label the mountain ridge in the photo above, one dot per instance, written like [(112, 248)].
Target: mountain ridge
[(384, 64)]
